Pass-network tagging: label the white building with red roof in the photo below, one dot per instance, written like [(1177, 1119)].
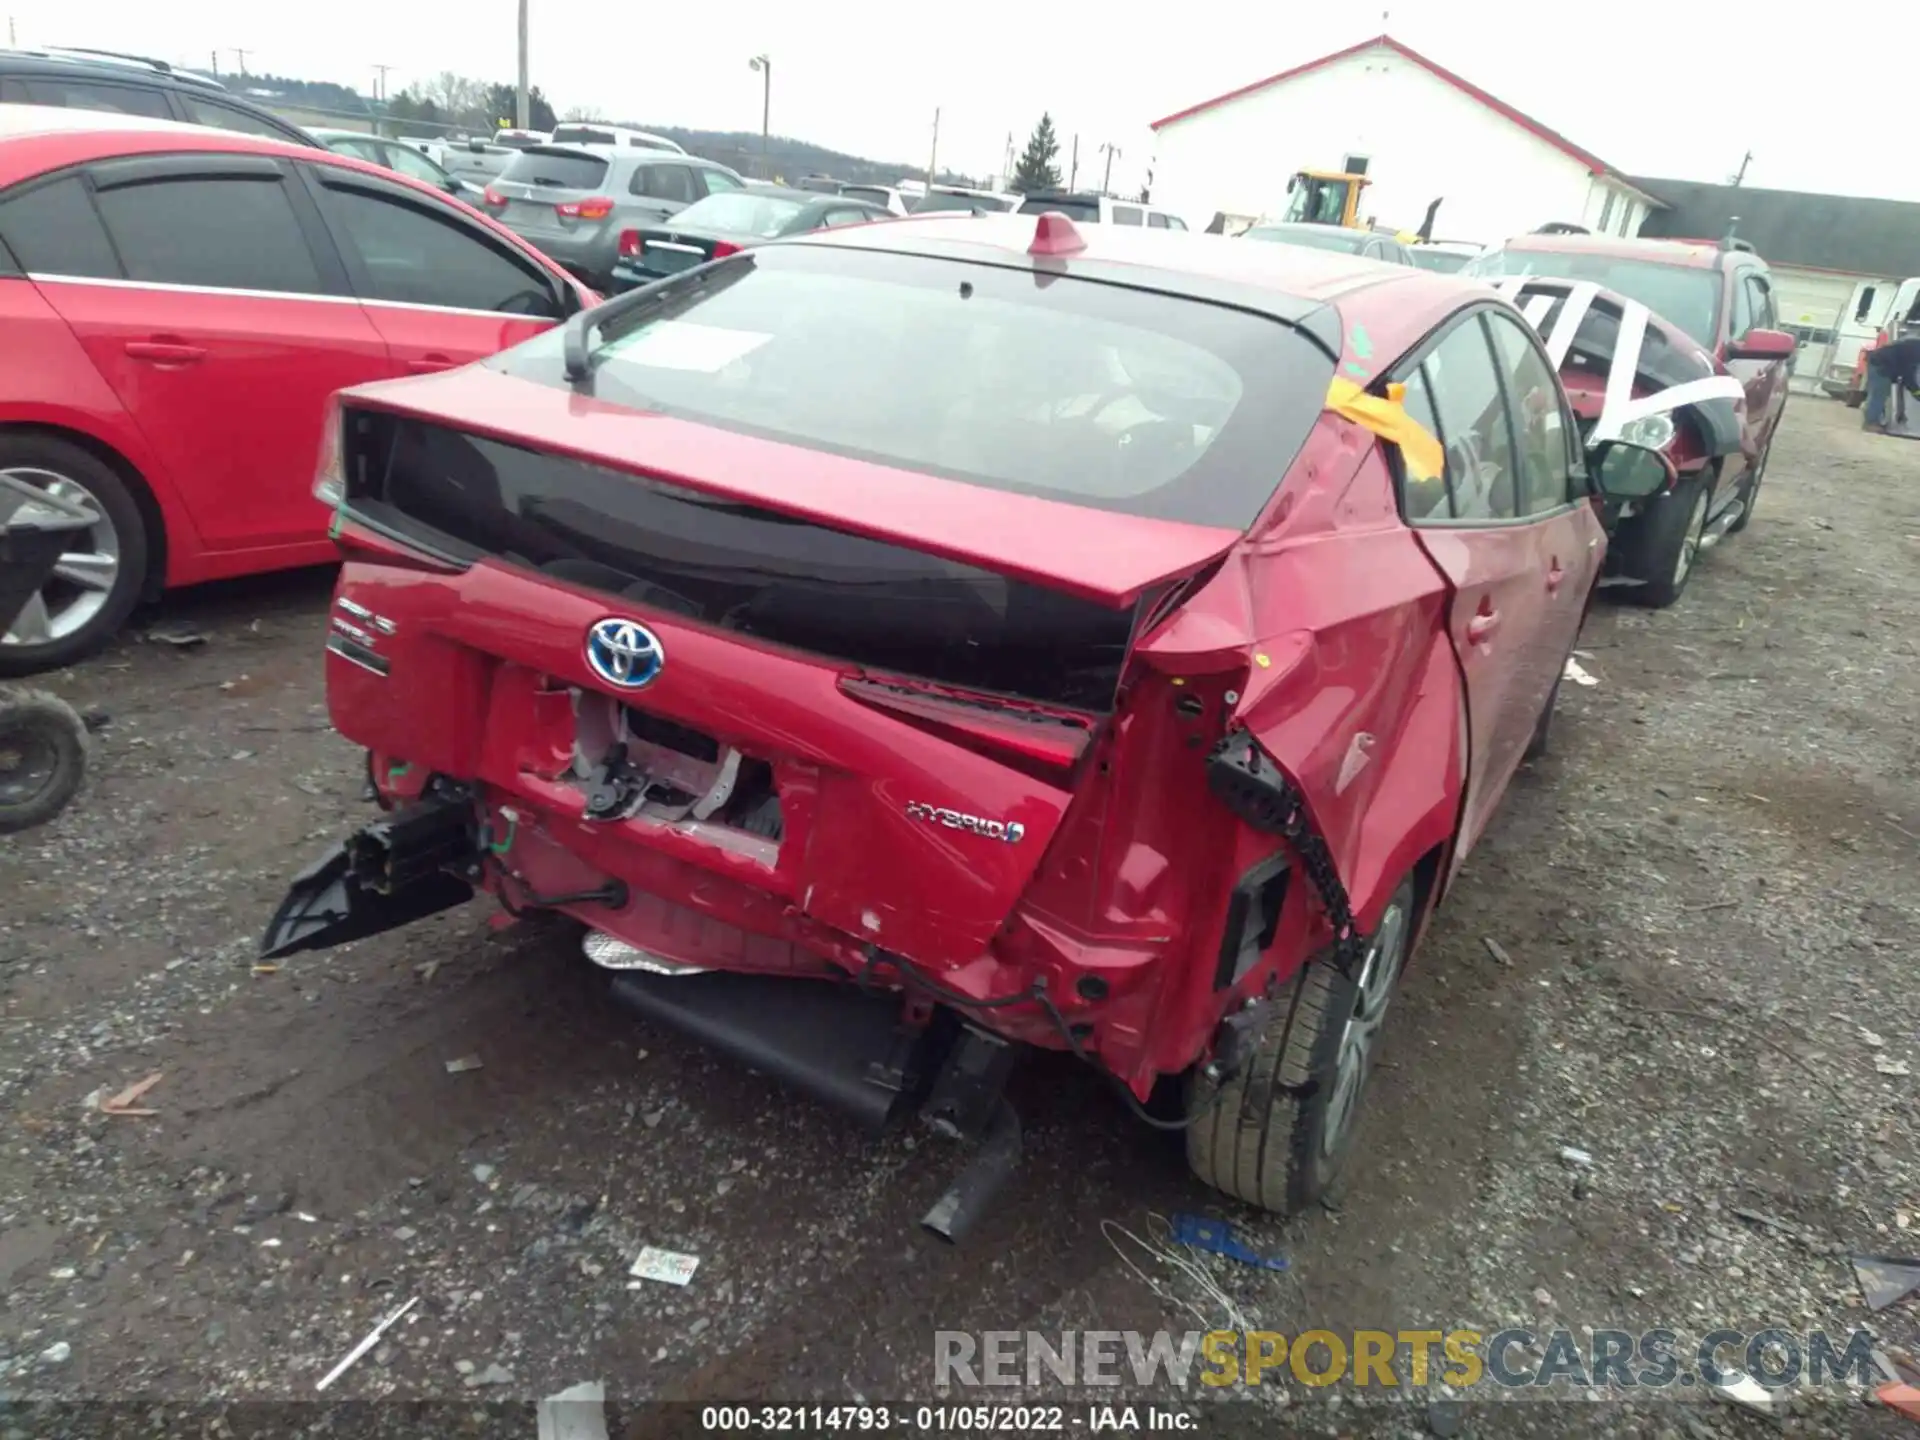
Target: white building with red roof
[(1422, 134)]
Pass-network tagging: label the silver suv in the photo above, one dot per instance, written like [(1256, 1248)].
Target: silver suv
[(572, 201)]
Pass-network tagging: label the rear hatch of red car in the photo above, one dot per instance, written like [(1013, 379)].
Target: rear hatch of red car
[(888, 527)]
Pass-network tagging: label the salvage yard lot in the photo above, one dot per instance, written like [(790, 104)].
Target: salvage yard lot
[(1707, 897)]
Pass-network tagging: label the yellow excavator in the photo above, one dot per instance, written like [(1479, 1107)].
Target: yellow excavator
[(1332, 197)]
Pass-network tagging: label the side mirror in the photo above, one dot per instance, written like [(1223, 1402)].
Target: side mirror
[(1623, 470), (1763, 345)]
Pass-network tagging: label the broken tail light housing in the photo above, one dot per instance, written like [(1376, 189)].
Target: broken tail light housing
[(330, 473), (724, 248), (629, 244), (596, 208)]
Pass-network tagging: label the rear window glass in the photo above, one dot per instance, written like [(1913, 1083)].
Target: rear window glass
[(1095, 394), (946, 200), (740, 212), (1071, 206), (585, 135), (1323, 237), (873, 194), (556, 169), (1680, 294), (1444, 262)]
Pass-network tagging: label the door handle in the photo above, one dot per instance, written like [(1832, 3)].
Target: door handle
[(1555, 576), (1480, 629), (431, 362), (165, 352)]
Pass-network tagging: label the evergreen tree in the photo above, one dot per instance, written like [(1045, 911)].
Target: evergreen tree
[(1036, 170)]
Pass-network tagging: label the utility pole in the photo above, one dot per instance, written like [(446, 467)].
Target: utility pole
[(1073, 172), (933, 156), (13, 40), (1106, 180), (241, 57), (216, 64), (522, 107), (380, 82), (1741, 173), (764, 65)]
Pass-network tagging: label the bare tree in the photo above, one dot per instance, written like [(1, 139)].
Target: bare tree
[(587, 114), (454, 94)]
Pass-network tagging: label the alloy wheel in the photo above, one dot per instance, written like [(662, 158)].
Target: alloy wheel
[(1690, 546), (83, 580), (1373, 991)]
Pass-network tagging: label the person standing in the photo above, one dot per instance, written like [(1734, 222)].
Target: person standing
[(1890, 365)]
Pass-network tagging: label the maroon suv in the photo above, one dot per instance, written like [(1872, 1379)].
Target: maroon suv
[(1717, 301)]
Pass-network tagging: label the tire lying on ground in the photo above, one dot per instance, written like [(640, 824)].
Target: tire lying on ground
[(43, 757)]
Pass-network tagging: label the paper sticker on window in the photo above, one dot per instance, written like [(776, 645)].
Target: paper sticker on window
[(683, 345)]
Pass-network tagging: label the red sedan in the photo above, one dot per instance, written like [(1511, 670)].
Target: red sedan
[(1069, 631), (176, 305)]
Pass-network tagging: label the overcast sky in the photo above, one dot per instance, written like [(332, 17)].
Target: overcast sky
[(1671, 89)]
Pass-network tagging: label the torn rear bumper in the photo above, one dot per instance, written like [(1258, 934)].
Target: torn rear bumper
[(403, 867)]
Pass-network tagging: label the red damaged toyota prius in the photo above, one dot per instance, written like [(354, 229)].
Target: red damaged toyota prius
[(922, 640)]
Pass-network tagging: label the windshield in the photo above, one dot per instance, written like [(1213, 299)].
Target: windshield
[(1318, 202), (1444, 262), (1315, 237), (556, 169), (1074, 207), (1100, 395), (1679, 294), (740, 212)]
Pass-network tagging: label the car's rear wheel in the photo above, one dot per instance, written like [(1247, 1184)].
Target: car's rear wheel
[(1668, 544), (1276, 1133), (97, 582)]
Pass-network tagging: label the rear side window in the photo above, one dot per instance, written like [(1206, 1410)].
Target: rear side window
[(228, 233), (52, 230), (1539, 424), (1174, 222), (664, 182), (1098, 395), (718, 180), (230, 117), (1156, 222), (1473, 423), (835, 218), (368, 149), (98, 95), (413, 258), (555, 169), (1424, 497), (1125, 215)]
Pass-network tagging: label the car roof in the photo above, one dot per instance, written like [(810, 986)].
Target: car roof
[(104, 64), (1692, 256), (1301, 286), (811, 197)]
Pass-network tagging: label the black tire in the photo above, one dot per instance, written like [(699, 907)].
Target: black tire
[(43, 757), (118, 508), (1750, 491), (1663, 534), (1280, 1154), (1537, 742)]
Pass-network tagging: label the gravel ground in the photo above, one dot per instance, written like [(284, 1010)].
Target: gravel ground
[(1704, 899)]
